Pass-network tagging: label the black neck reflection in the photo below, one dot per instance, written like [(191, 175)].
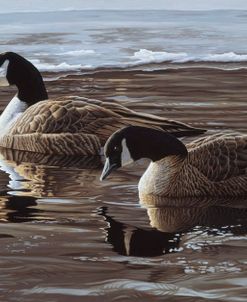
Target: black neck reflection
[(128, 240), (19, 209)]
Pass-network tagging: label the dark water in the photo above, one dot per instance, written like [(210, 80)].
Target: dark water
[(66, 236)]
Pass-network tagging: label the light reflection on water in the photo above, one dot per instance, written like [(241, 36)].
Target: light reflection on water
[(65, 235), (68, 235)]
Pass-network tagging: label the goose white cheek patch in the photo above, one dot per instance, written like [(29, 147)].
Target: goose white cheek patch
[(126, 158), (3, 72)]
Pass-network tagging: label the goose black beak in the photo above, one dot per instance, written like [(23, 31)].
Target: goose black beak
[(108, 168)]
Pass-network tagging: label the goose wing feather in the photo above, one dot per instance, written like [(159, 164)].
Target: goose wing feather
[(220, 156), (64, 116), (81, 115)]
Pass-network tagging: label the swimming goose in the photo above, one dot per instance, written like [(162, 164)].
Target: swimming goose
[(215, 165), (65, 125)]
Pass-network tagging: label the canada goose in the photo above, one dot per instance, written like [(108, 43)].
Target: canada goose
[(215, 165), (65, 125)]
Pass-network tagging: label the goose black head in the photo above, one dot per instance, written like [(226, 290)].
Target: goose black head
[(132, 143), (25, 76)]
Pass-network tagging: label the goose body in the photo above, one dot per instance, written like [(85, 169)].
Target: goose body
[(66, 125), (215, 165)]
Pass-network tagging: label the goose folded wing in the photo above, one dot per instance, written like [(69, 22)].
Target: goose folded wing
[(81, 115), (68, 116), (221, 156)]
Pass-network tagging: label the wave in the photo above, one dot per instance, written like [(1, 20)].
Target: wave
[(42, 66), (81, 52), (144, 56)]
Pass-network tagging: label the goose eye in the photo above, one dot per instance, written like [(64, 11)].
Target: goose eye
[(116, 149)]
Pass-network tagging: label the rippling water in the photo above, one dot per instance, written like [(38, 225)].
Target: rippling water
[(74, 39), (66, 236)]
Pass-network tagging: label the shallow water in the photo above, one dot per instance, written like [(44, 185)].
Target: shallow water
[(70, 40), (66, 236)]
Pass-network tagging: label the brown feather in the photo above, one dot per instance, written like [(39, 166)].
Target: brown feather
[(73, 125), (216, 166)]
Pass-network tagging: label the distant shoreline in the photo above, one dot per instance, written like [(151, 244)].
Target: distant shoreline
[(126, 10)]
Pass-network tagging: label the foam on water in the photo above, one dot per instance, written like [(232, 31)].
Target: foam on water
[(144, 56), (43, 66), (73, 40), (80, 52)]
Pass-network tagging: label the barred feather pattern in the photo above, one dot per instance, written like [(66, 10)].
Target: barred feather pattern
[(76, 125), (216, 166)]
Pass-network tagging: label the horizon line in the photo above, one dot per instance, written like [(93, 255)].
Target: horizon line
[(120, 9)]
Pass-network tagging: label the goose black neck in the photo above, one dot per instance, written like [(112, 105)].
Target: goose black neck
[(27, 78), (153, 144)]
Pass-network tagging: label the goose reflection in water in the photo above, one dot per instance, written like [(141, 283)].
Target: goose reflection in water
[(49, 176), (129, 240), (170, 228), (19, 209)]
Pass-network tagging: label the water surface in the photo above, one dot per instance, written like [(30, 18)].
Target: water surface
[(75, 40), (67, 236)]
